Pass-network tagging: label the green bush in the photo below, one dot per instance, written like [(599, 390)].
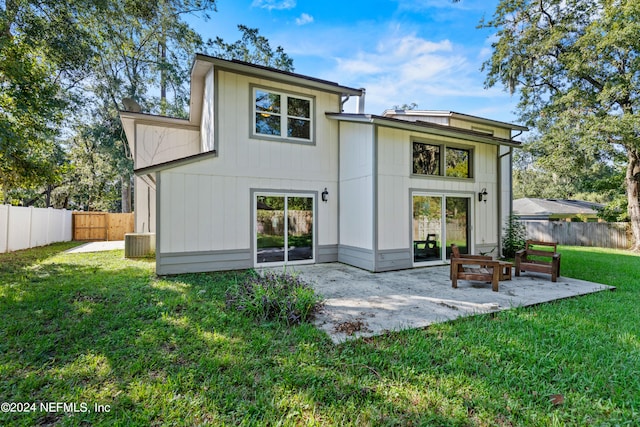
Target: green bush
[(274, 297), (514, 237)]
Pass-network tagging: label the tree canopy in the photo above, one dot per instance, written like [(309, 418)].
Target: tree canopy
[(65, 68), (44, 52), (576, 69)]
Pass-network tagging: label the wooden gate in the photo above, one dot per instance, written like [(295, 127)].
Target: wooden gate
[(101, 226)]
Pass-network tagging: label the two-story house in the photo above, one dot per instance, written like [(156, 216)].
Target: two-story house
[(269, 170)]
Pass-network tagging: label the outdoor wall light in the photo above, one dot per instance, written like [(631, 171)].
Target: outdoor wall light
[(482, 195), (325, 195)]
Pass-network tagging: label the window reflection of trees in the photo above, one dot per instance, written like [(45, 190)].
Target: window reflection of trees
[(426, 159)]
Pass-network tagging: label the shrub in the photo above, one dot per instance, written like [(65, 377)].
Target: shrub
[(514, 237), (275, 297)]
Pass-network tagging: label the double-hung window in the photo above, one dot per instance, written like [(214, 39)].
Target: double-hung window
[(441, 160), (282, 115)]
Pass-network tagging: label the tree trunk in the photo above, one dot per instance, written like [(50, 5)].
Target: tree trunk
[(126, 193), (632, 181)]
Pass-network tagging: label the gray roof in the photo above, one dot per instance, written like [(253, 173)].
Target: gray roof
[(545, 208)]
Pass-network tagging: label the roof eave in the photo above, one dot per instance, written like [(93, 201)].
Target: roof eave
[(202, 63), (424, 127)]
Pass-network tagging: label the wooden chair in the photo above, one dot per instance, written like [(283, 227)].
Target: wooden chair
[(545, 261), (474, 267)]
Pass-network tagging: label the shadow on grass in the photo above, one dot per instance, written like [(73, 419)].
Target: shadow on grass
[(12, 262)]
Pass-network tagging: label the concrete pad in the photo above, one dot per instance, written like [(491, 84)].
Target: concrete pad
[(97, 247), (360, 304)]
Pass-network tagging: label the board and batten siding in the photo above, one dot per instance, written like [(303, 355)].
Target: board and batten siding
[(356, 185), (478, 127), (206, 207), (396, 181), (145, 209), (207, 142), (158, 144)]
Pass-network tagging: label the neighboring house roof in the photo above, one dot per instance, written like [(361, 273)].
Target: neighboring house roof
[(532, 208), (420, 126)]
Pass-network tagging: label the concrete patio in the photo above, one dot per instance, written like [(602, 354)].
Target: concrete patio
[(360, 304)]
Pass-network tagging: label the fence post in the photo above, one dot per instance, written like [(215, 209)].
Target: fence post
[(7, 230), (30, 224)]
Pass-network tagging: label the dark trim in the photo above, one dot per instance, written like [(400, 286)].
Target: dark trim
[(374, 196), (327, 253), (177, 162), (419, 126), (202, 261), (394, 259), (262, 71), (357, 257)]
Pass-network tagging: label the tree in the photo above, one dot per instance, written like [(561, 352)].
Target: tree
[(144, 53), (576, 68), (253, 48), (545, 168), (43, 54)]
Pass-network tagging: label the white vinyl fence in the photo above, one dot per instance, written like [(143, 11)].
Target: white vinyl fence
[(23, 228)]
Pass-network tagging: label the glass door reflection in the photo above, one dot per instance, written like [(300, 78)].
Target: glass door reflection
[(300, 228), (457, 224), (427, 228), (270, 226), (284, 229)]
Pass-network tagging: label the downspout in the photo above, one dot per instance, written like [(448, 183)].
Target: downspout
[(360, 109), (344, 101), (499, 216)]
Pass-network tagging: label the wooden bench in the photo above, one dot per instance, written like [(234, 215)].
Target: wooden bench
[(545, 261), (474, 267)]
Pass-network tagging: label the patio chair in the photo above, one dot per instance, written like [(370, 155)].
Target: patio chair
[(474, 267), (544, 261)]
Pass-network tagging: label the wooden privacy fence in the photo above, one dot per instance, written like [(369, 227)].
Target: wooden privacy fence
[(615, 235), (101, 225)]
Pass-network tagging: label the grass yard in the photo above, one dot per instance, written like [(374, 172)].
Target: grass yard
[(96, 329)]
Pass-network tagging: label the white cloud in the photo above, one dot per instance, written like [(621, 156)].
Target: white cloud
[(406, 68), (274, 4), (398, 66), (304, 19)]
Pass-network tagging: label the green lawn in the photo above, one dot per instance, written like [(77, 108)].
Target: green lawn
[(98, 329)]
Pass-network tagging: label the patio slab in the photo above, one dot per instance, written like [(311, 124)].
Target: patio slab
[(97, 247), (360, 304)]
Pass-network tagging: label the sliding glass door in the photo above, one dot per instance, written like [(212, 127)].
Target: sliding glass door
[(438, 221), (284, 229)]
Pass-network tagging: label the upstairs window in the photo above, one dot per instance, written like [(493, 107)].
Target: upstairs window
[(281, 115), (440, 160)]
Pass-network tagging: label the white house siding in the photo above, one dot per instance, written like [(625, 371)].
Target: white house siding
[(207, 142), (144, 206), (498, 132), (356, 195), (157, 144), (487, 213), (396, 184), (206, 217)]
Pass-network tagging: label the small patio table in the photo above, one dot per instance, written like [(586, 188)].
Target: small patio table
[(505, 270)]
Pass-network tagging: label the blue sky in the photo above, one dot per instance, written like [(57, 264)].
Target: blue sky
[(402, 51)]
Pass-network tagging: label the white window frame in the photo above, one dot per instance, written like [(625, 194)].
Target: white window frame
[(284, 116)]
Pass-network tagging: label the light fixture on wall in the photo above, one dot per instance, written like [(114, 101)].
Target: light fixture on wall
[(482, 195), (325, 195)]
